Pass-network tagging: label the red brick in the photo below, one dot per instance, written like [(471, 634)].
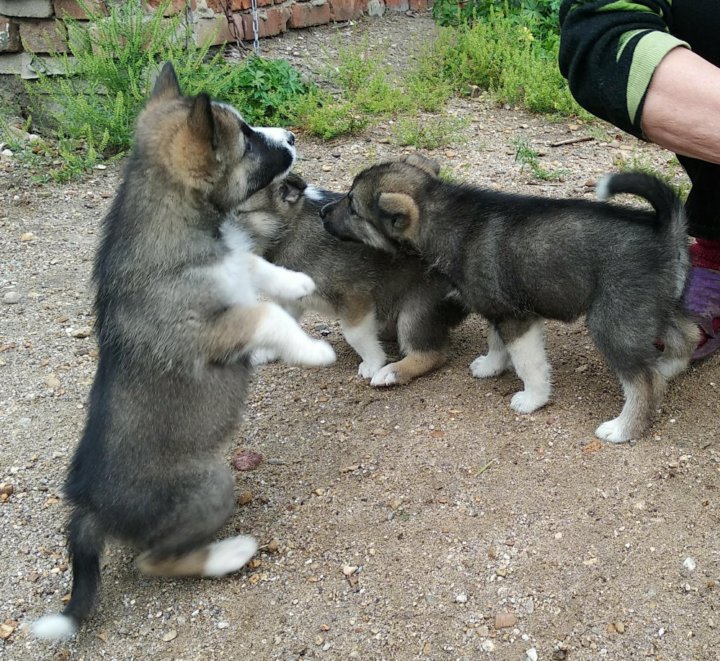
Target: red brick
[(43, 36), (271, 22), (9, 36), (236, 5), (175, 6), (420, 5), (216, 30), (264, 3), (397, 5), (305, 15), (72, 9), (345, 10)]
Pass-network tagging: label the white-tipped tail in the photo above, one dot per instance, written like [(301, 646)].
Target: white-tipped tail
[(602, 190), (229, 555), (54, 627)]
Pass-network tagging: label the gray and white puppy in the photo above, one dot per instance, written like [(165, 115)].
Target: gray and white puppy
[(518, 260), (375, 295), (177, 316)]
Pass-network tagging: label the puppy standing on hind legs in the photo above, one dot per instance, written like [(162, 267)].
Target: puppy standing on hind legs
[(176, 317), (518, 259)]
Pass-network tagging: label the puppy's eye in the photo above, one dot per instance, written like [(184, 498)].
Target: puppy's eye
[(248, 146)]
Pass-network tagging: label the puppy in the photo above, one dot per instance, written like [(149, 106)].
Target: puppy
[(518, 260), (372, 295), (176, 317)]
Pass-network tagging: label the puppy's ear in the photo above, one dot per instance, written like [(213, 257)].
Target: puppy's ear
[(426, 164), (201, 120), (402, 208), (166, 85)]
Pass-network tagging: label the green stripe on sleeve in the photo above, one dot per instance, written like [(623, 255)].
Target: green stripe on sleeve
[(626, 5), (649, 50), (623, 41)]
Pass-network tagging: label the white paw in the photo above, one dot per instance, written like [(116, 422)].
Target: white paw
[(613, 431), (527, 402), (386, 376), (671, 368), (295, 285), (369, 368), (229, 555), (491, 365), (263, 357), (317, 354)]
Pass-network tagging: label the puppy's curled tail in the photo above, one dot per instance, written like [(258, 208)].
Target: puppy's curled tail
[(671, 219), (85, 543)]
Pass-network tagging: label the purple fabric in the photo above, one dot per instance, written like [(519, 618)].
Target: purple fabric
[(702, 299)]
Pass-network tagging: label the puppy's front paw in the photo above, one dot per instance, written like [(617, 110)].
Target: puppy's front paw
[(486, 366), (229, 555), (613, 431), (295, 285), (317, 354), (384, 377), (263, 357), (527, 402), (369, 368)]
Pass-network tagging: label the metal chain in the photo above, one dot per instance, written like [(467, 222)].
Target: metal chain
[(233, 23), (256, 29)]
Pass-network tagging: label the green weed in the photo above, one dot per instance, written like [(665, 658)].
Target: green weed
[(93, 106), (428, 134), (527, 156)]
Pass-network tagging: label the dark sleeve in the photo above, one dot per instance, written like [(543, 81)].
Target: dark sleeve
[(609, 51)]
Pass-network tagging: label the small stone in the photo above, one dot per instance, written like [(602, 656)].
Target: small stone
[(52, 382), (487, 646), (619, 627), (82, 333), (247, 460), (11, 297), (223, 625), (690, 564), (531, 654), (319, 640), (6, 630), (349, 570), (245, 497), (6, 489), (461, 598), (170, 635), (27, 236), (505, 620), (273, 546)]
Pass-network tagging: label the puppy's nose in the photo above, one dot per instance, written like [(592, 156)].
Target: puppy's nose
[(290, 137)]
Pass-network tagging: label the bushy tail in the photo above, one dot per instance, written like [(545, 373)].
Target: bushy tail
[(85, 543), (672, 222)]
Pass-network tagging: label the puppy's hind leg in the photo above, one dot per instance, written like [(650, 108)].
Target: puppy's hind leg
[(180, 547), (680, 338), (642, 393), (497, 359), (413, 365), (360, 328), (422, 331), (525, 341)]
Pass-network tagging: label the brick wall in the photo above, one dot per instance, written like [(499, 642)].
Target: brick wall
[(29, 29)]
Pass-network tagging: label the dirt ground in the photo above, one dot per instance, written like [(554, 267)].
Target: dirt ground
[(423, 522)]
